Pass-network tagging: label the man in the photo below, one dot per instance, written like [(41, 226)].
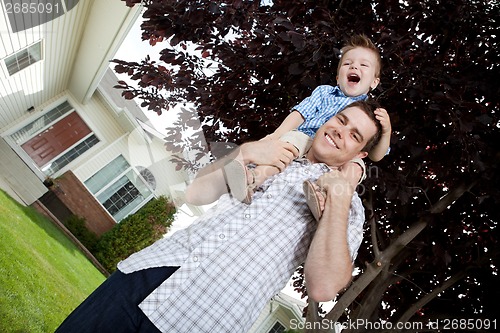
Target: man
[(217, 275)]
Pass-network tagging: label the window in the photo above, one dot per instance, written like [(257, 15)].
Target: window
[(24, 58), (277, 328), (119, 188), (41, 122), (148, 176), (70, 155)]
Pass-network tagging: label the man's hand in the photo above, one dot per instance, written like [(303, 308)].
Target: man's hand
[(268, 152), (336, 184)]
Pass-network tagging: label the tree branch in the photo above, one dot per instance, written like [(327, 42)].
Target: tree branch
[(373, 224), (312, 316), (374, 268), (430, 296), (449, 198)]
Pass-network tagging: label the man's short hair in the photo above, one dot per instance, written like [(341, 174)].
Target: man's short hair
[(365, 42), (369, 106)]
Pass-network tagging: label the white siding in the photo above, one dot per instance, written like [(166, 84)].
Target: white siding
[(76, 49), (18, 177), (49, 77)]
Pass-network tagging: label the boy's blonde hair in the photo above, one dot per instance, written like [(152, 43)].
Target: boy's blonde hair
[(365, 42)]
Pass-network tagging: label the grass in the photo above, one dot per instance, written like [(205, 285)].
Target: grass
[(43, 276)]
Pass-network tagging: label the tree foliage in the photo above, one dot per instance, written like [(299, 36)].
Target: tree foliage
[(431, 249)]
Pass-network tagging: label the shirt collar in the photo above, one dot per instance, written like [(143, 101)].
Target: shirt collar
[(304, 161), (337, 92)]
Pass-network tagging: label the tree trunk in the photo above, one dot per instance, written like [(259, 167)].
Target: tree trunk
[(383, 261)]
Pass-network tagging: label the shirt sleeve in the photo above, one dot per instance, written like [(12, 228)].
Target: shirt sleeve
[(355, 226), (310, 106)]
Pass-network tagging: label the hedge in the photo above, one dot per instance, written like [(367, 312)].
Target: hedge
[(135, 232)]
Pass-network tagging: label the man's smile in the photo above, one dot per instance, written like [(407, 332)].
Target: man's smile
[(329, 139)]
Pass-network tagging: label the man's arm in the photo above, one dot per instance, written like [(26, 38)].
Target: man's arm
[(209, 184), (328, 267)]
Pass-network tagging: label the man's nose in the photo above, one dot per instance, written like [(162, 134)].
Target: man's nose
[(338, 133)]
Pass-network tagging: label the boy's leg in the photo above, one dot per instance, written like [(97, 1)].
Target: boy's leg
[(354, 171), (242, 180), (300, 140), (113, 306)]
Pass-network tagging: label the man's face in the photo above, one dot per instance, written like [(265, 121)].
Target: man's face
[(341, 138), (357, 72)]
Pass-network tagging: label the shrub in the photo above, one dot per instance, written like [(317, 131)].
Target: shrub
[(76, 225), (135, 232)]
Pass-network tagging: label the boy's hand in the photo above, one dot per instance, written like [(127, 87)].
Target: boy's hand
[(384, 119)]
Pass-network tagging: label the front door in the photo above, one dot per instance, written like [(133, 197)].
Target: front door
[(56, 139)]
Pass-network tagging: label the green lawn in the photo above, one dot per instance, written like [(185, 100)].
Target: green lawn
[(43, 276)]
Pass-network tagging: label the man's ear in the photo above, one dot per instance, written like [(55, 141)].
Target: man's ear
[(362, 154)]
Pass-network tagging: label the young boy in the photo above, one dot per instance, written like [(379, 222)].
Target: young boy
[(358, 73)]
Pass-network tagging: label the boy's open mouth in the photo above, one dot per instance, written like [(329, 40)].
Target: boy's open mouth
[(353, 78)]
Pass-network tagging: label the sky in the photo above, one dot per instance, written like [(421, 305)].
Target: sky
[(134, 49)]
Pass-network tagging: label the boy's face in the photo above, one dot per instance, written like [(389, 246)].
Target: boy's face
[(357, 70), (342, 137)]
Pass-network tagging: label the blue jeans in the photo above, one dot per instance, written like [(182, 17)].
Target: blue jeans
[(113, 306)]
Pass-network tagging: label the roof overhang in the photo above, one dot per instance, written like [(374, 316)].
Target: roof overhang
[(106, 27)]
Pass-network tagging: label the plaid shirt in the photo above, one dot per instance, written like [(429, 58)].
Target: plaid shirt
[(324, 102), (235, 257)]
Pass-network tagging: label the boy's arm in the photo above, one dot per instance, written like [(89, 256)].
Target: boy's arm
[(380, 150), (291, 122), (328, 266), (209, 183)]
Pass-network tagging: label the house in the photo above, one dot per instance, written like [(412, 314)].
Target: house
[(282, 313), (69, 144), (63, 126)]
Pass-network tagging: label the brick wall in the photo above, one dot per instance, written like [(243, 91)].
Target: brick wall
[(82, 203)]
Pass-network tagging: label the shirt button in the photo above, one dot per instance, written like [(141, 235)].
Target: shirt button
[(247, 216), (195, 258), (222, 236), (269, 196)]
